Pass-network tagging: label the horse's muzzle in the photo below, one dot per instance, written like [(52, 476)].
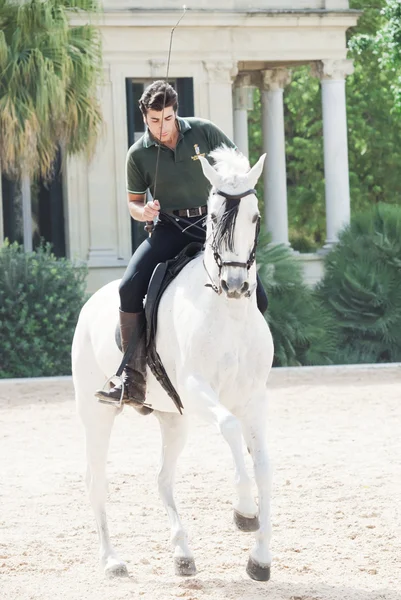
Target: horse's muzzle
[(235, 287)]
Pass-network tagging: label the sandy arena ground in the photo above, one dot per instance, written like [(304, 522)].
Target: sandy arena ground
[(335, 443)]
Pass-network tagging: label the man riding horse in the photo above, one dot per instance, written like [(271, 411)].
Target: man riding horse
[(170, 147)]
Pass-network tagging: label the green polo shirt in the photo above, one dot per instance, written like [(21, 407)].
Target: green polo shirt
[(180, 181)]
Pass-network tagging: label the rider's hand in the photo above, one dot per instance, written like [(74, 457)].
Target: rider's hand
[(151, 210)]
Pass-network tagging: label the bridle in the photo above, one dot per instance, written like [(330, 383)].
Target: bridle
[(232, 263)]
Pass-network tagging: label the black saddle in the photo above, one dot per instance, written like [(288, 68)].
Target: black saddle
[(161, 278)]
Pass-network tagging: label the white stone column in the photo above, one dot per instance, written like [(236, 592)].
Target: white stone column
[(102, 202), (275, 175), (92, 211), (220, 77), (338, 205), (243, 102), (75, 188)]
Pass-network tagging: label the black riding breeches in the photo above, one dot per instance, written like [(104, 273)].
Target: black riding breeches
[(165, 243)]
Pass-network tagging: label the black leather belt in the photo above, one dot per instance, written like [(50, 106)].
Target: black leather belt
[(191, 212)]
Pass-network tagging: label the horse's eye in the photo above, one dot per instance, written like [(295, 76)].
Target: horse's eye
[(213, 216), (255, 218)]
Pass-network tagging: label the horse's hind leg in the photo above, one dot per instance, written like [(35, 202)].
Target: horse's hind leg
[(98, 424), (98, 420), (174, 429)]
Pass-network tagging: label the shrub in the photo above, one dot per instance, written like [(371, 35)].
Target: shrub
[(40, 299), (304, 332), (362, 287)]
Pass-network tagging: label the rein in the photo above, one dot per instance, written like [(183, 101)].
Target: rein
[(199, 232)]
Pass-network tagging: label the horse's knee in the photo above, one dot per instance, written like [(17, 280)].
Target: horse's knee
[(164, 478), (229, 426)]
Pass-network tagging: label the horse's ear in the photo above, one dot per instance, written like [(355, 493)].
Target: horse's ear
[(256, 171), (209, 172)]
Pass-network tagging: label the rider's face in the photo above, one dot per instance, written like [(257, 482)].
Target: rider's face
[(154, 120)]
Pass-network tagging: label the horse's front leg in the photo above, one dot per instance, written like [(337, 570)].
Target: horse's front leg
[(174, 430), (254, 429), (206, 403)]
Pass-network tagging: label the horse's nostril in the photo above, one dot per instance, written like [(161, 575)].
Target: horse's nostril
[(245, 287), (224, 285)]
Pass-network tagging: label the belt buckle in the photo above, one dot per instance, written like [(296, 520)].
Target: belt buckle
[(191, 211)]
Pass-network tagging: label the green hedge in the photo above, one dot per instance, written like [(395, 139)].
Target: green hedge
[(362, 287), (303, 330), (40, 299)]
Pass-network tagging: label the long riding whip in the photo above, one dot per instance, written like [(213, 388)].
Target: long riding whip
[(150, 224)]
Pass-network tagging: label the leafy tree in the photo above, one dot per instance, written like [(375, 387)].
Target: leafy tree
[(385, 42), (374, 132)]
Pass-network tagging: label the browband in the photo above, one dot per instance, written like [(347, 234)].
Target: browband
[(235, 197)]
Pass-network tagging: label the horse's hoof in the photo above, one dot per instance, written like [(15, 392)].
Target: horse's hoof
[(115, 568), (257, 571), (246, 523), (184, 567)]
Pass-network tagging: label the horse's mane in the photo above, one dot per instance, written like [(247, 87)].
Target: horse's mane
[(231, 166)]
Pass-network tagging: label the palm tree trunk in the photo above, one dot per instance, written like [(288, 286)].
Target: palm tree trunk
[(27, 213)]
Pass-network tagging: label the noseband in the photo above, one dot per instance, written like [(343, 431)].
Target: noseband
[(232, 263)]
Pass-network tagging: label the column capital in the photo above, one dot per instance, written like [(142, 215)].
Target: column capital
[(221, 71), (332, 70), (243, 92), (243, 80), (275, 79)]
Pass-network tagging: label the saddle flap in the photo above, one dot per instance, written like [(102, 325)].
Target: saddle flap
[(162, 276), (153, 296)]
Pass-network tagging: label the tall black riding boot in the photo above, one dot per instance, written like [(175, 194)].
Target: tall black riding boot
[(134, 374)]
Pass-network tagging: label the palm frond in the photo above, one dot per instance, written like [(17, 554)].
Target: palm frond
[(362, 286), (49, 76), (303, 330)]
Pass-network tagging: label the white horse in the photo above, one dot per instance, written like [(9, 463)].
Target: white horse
[(217, 350)]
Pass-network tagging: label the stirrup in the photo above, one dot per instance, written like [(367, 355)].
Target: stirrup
[(120, 403), (117, 404)]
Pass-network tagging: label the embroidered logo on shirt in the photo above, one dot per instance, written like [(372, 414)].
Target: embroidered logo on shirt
[(197, 153)]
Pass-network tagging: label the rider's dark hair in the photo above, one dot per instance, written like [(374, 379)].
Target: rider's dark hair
[(160, 93)]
